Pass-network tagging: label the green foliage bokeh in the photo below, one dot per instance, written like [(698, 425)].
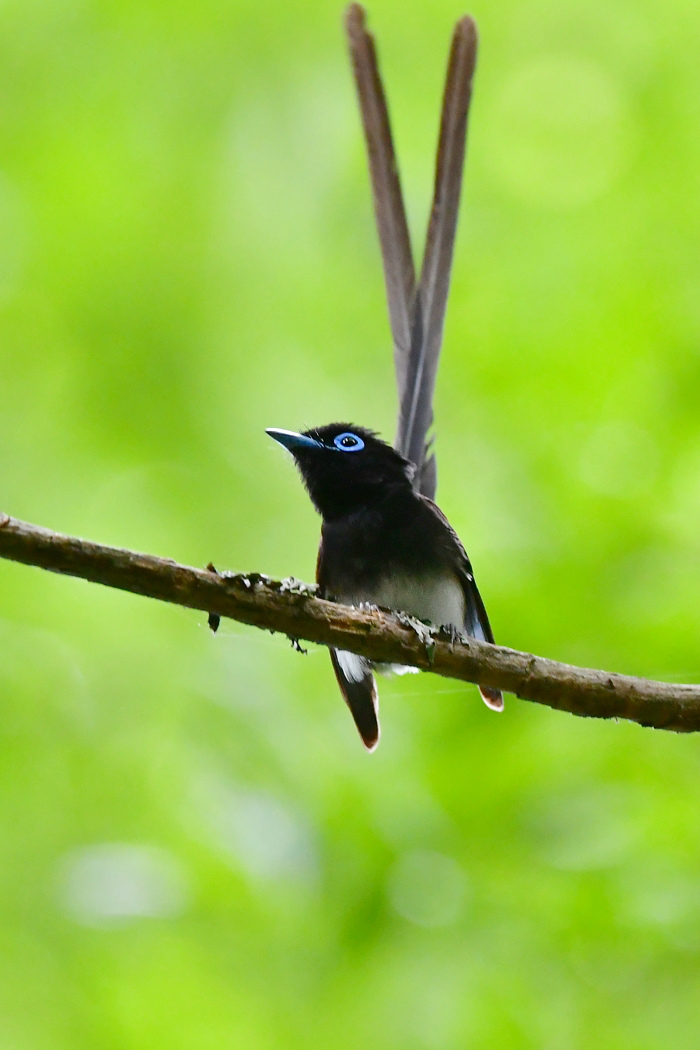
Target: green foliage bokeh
[(196, 852)]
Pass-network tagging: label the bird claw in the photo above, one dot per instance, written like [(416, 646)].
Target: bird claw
[(454, 633), (423, 630)]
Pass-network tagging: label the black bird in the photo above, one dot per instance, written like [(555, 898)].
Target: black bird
[(382, 543)]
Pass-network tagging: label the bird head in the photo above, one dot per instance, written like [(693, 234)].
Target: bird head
[(345, 467)]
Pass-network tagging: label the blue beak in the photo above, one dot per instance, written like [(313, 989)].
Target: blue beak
[(293, 441)]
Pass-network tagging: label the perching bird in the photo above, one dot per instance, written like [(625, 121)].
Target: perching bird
[(382, 543)]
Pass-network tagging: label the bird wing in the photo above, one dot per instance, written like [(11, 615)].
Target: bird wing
[(476, 621)]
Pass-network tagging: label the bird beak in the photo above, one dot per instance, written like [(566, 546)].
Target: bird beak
[(293, 441)]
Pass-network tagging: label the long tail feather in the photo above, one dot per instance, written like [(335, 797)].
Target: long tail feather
[(389, 211), (416, 411)]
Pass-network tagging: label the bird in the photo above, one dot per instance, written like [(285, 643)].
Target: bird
[(383, 543)]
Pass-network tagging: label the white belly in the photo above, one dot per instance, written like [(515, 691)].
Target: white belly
[(437, 599)]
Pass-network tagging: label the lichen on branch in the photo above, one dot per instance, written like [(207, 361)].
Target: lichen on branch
[(294, 609)]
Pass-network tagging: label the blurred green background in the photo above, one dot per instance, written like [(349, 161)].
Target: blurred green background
[(195, 852)]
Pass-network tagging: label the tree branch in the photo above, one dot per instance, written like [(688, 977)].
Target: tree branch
[(292, 608)]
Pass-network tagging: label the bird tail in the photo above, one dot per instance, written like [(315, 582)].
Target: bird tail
[(416, 311), (359, 690), (493, 698), (478, 626)]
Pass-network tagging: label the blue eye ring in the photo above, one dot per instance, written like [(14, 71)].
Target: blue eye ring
[(347, 442)]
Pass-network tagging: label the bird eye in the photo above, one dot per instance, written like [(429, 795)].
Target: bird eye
[(348, 442)]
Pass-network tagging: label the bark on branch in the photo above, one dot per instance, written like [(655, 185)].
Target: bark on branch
[(292, 608)]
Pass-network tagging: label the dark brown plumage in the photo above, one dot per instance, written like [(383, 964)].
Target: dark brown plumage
[(384, 544), (383, 540)]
